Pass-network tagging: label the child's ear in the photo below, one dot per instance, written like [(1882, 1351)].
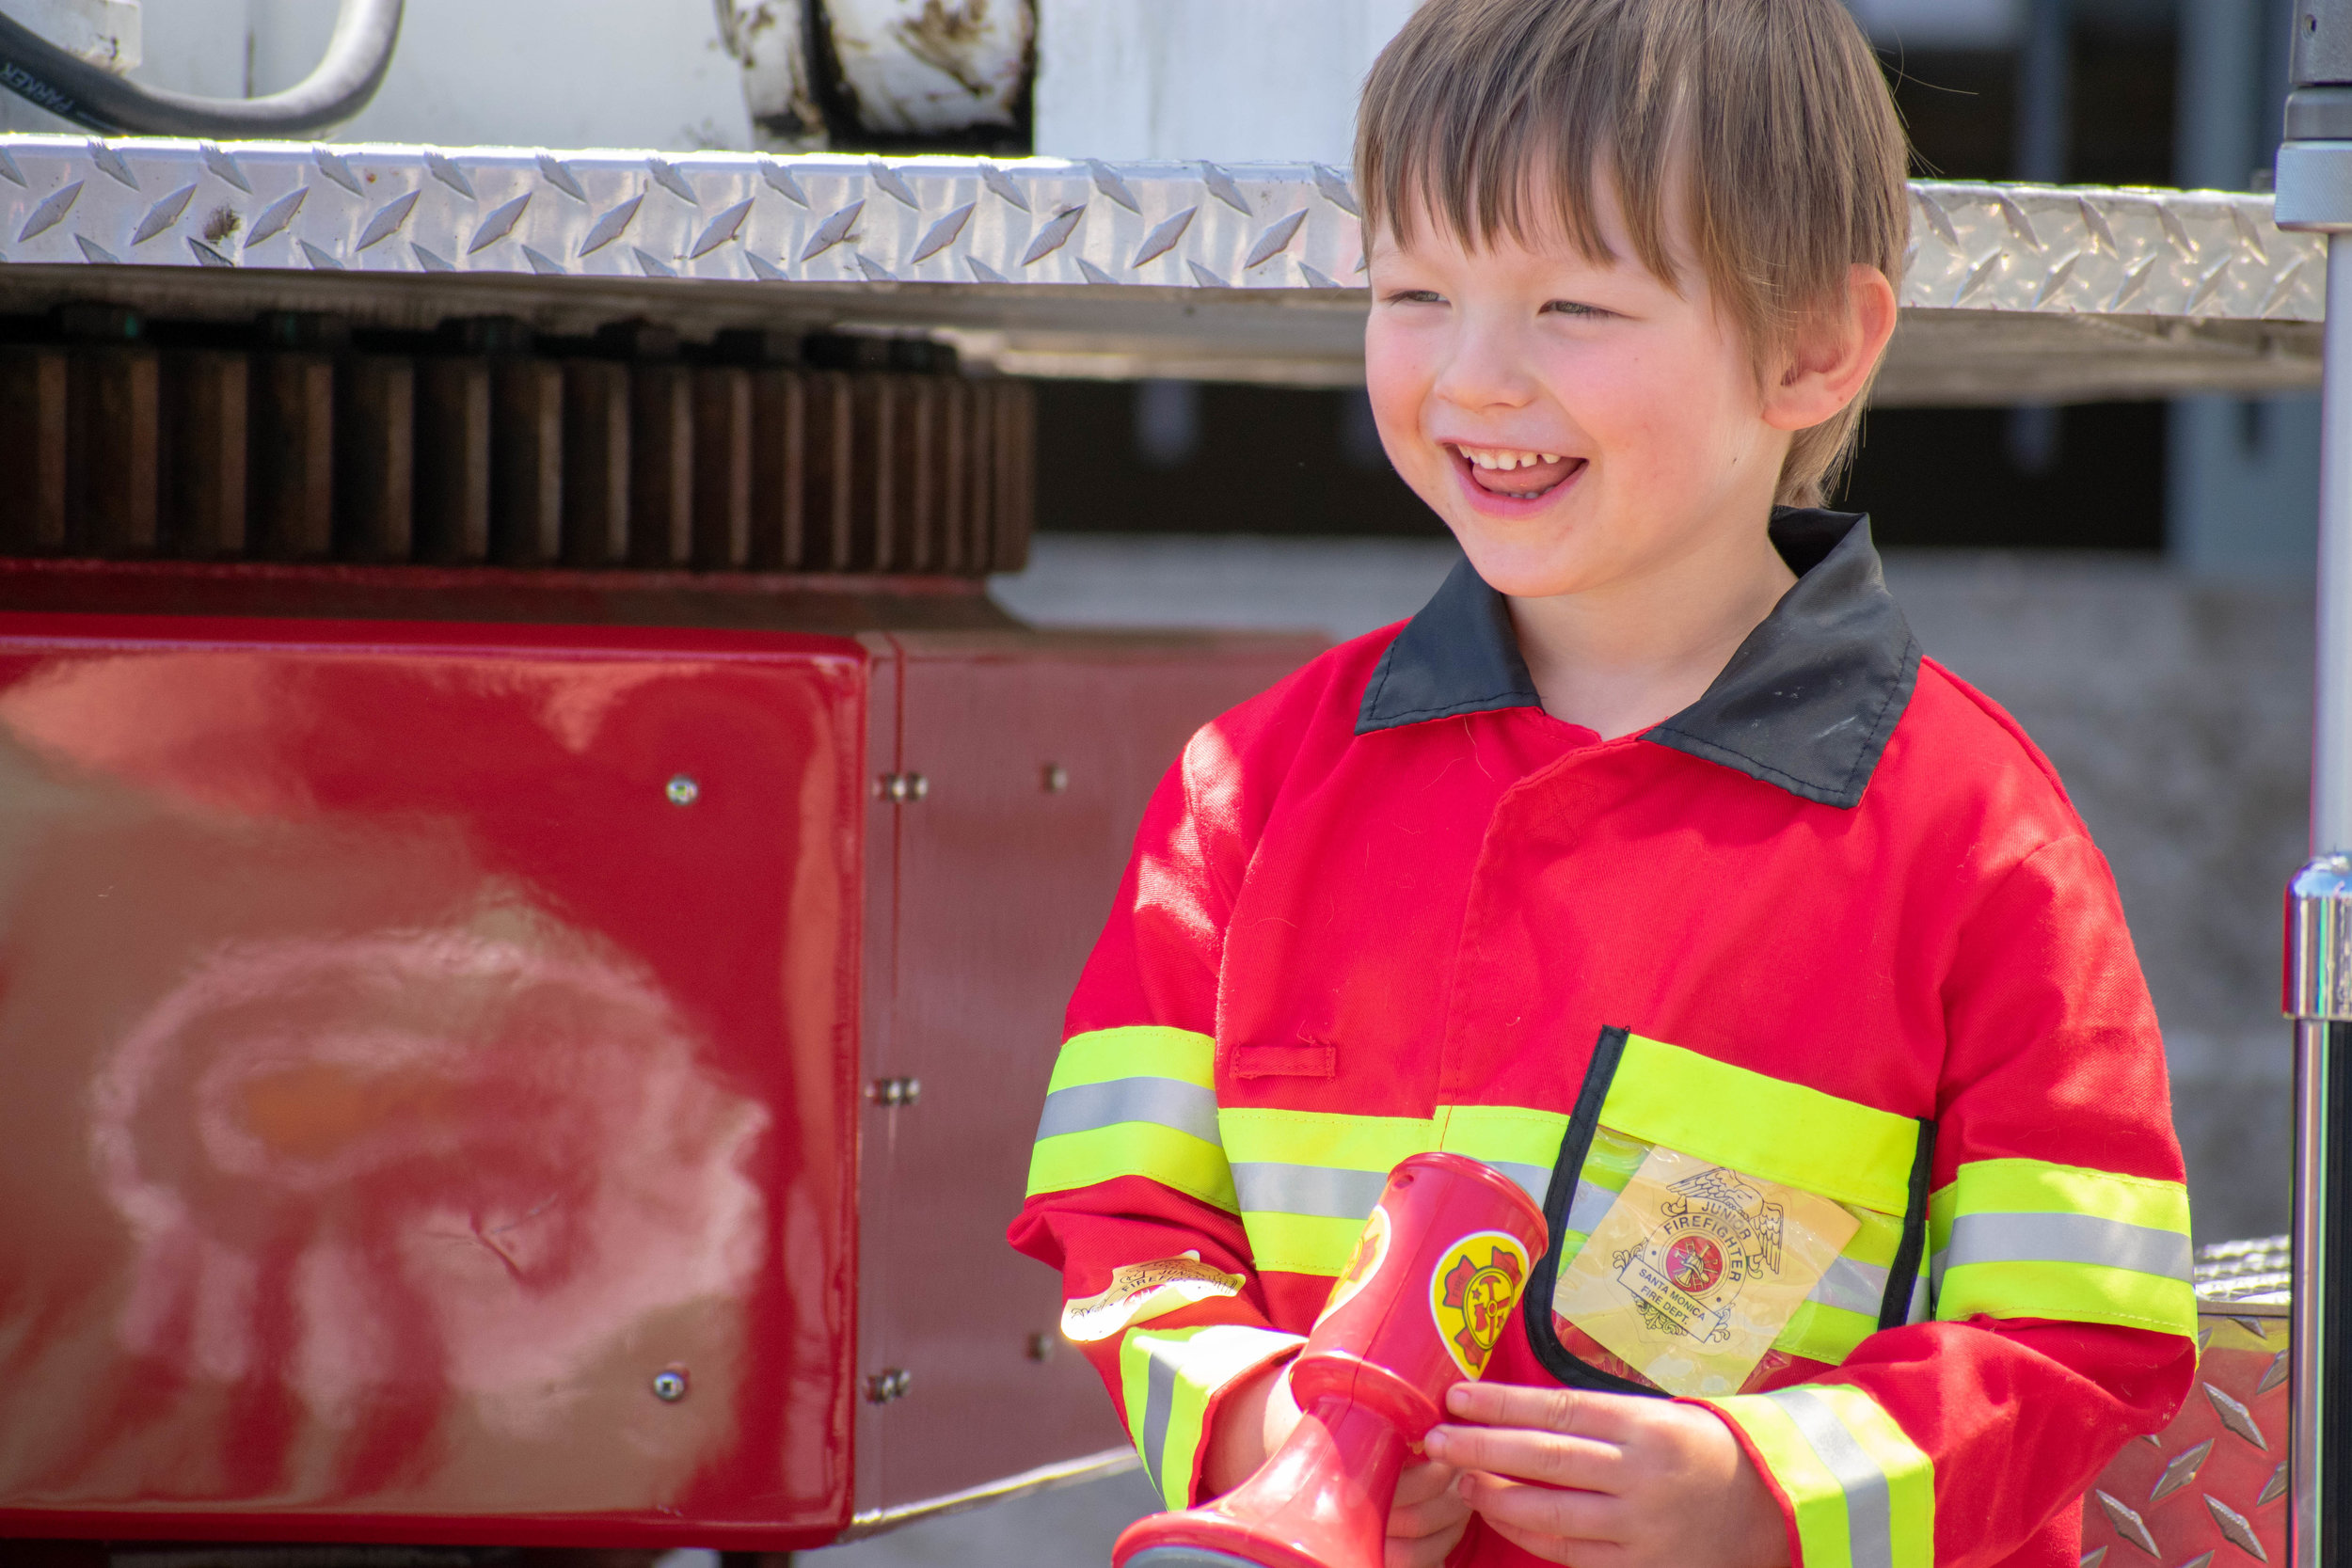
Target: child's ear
[(1831, 360)]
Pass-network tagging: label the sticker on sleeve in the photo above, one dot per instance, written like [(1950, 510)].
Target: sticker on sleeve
[(1140, 1292), (1696, 1269)]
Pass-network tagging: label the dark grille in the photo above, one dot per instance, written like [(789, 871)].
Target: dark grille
[(297, 440)]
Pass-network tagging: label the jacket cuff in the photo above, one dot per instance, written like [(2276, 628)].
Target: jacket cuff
[(1856, 1491), (1173, 1380)]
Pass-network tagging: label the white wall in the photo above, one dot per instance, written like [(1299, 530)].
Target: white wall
[(1221, 79)]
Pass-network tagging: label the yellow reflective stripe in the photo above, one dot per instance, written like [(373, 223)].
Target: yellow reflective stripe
[(1143, 1149), (1941, 1204), (1167, 1379), (1862, 1493), (1764, 1126), (1330, 1139), (2072, 1292), (1140, 1051), (1301, 1244), (1613, 1160), (1306, 1180), (1819, 1332), (1133, 1101), (2016, 1238), (2038, 1186), (1879, 1237), (1508, 1137)]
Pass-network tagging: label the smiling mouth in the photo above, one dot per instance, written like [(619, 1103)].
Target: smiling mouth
[(1511, 473)]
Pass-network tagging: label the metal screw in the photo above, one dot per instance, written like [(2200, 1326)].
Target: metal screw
[(682, 790), (894, 1091), (901, 788), (891, 1383), (1041, 1347), (1056, 778), (669, 1384)]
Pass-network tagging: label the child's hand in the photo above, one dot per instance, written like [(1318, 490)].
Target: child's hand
[(1620, 1481), (1428, 1517)]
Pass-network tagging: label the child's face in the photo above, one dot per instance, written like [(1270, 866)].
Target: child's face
[(1578, 424)]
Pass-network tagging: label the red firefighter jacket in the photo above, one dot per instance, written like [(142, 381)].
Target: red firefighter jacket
[(1832, 930)]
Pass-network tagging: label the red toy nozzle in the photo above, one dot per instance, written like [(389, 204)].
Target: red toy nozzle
[(1419, 1308)]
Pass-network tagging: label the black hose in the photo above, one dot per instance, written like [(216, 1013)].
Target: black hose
[(352, 67)]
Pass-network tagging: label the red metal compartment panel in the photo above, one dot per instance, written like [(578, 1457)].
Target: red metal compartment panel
[(426, 1080), (1036, 752)]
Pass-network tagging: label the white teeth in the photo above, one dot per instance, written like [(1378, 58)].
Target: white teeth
[(1495, 458)]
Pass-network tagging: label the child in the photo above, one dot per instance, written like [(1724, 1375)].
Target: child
[(1653, 865)]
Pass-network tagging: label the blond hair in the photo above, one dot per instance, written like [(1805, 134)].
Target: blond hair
[(1768, 119)]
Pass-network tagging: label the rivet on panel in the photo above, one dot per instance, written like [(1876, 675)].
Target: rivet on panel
[(669, 1384), (890, 1383), (1042, 1347), (1056, 778), (891, 1092), (682, 790)]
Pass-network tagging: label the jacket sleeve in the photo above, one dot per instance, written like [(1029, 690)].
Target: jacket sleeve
[(2063, 1319), (1129, 1193)]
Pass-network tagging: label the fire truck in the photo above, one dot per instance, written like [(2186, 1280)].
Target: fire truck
[(536, 887)]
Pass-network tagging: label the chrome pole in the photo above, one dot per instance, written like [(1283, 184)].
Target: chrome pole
[(2315, 186)]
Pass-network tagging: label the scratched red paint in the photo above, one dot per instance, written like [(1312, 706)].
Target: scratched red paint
[(394, 1081)]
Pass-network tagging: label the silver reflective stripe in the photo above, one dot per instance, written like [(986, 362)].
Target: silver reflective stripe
[(1266, 1186), (1535, 1180), (1870, 1501), (1170, 1102), (1922, 1304), (1853, 1285), (2062, 1238), (1586, 1208), (1159, 1405)]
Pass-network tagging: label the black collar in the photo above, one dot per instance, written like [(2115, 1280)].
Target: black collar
[(1806, 703)]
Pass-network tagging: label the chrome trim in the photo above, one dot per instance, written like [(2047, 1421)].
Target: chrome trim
[(2306, 1388), (1045, 1478), (2318, 977)]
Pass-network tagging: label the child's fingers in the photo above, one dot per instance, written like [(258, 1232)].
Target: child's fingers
[(1431, 1515), (1545, 1457), (1550, 1548), (1570, 1410), (1419, 1483), (1542, 1509), (1428, 1551)]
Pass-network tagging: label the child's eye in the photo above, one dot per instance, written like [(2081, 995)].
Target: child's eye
[(1416, 296), (1569, 308)]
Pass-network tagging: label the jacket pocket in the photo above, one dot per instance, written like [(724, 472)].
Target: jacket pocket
[(1302, 1058), (1713, 1227)]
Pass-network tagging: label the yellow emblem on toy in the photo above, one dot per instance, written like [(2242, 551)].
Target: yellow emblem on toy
[(1471, 1292)]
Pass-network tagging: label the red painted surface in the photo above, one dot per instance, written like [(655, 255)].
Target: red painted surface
[(394, 1081), (986, 897)]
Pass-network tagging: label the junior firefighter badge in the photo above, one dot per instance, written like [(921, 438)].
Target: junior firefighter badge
[(1472, 1290), (1697, 1268)]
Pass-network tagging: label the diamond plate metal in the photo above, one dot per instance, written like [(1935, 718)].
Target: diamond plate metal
[(735, 217), (2199, 255), (1147, 269), (2208, 1489)]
